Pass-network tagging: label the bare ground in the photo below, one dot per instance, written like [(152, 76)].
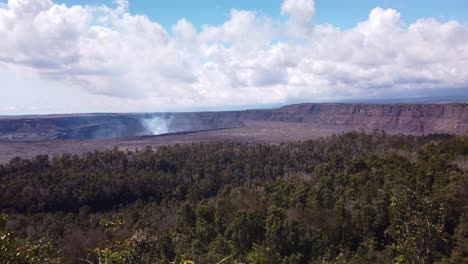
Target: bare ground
[(254, 131)]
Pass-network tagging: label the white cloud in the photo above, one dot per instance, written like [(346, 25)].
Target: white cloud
[(28, 7), (244, 30), (135, 61), (301, 13)]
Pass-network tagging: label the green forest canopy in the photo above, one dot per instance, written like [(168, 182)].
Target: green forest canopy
[(351, 198)]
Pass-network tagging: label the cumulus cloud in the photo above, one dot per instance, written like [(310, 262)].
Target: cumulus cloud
[(247, 59), (301, 13)]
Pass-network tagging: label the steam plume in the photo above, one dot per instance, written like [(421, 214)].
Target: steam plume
[(156, 125)]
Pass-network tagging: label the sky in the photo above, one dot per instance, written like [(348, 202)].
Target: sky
[(341, 13), (75, 56)]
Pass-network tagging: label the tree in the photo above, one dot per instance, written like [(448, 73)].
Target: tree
[(417, 227)]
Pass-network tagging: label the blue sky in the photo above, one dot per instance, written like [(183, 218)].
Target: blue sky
[(66, 58), (341, 13)]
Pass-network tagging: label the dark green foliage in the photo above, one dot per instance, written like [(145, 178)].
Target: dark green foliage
[(247, 228), (19, 251), (351, 198)]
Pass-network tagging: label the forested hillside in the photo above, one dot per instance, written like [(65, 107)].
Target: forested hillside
[(351, 198)]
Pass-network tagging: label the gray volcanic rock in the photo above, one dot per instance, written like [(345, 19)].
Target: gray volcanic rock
[(405, 118), (68, 127), (396, 118)]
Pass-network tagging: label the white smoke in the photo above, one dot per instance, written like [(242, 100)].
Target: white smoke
[(157, 125)]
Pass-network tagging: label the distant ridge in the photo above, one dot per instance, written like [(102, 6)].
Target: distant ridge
[(421, 118)]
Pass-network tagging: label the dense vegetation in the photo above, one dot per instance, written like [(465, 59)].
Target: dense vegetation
[(352, 198)]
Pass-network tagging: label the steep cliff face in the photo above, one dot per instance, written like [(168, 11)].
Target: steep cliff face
[(69, 127), (403, 118), (421, 118)]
